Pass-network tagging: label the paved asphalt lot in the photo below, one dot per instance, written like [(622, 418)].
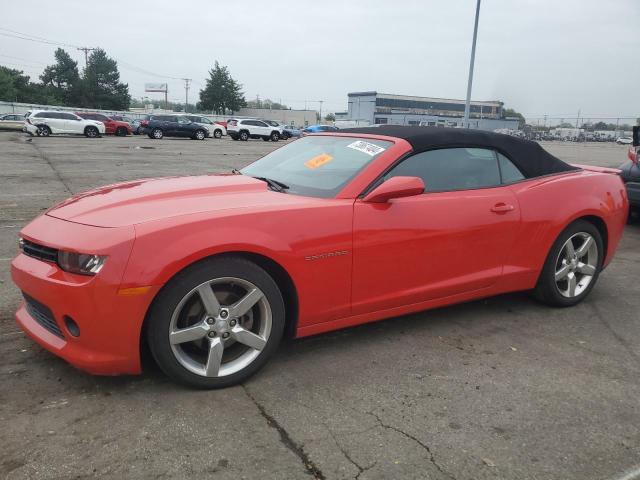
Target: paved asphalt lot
[(499, 388)]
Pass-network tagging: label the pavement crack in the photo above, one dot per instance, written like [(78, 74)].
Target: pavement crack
[(615, 334), (44, 157), (348, 457), (426, 447), (286, 439)]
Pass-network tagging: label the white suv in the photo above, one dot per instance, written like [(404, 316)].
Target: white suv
[(247, 128), (215, 130), (46, 122)]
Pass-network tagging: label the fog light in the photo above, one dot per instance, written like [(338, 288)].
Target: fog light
[(72, 326)]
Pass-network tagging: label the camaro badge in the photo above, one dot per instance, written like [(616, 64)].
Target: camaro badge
[(320, 256)]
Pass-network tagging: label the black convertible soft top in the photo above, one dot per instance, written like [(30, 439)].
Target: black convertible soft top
[(528, 156)]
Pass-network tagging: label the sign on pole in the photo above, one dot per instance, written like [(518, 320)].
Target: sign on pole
[(155, 87)]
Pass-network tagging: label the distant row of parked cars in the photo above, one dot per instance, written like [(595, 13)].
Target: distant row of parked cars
[(156, 126)]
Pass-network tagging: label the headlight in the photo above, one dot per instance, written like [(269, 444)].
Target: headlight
[(80, 263), (20, 244)]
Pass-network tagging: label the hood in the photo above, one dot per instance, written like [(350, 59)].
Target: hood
[(142, 201)]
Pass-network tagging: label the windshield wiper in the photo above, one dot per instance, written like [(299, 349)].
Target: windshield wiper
[(274, 184)]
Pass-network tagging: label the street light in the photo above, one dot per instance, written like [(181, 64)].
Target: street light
[(467, 105)]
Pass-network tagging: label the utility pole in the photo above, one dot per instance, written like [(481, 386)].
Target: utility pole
[(86, 51), (467, 105), (577, 119), (187, 81), (320, 110)]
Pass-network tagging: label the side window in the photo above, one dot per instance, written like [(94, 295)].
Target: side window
[(261, 124), (41, 115), (451, 169), (184, 120), (508, 170)]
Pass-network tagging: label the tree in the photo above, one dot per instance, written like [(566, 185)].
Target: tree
[(330, 117), (15, 86), (222, 93), (565, 125), (600, 126), (101, 86), (509, 112), (63, 78)]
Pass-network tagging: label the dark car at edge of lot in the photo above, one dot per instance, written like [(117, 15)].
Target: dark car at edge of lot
[(160, 126), (631, 172)]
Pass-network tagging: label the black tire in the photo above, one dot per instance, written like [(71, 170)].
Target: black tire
[(121, 132), (266, 139), (168, 299), (547, 290), (200, 135), (244, 135), (285, 136), (217, 133), (91, 132), (275, 136), (43, 131), (156, 134), (234, 137)]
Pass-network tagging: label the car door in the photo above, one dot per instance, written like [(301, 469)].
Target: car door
[(262, 128), (109, 127), (452, 239), (57, 121), (184, 127), (72, 123)]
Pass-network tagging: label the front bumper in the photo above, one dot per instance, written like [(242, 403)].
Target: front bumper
[(109, 321)]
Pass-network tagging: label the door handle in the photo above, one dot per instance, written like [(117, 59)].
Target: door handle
[(502, 208)]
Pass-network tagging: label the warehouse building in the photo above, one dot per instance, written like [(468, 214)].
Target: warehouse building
[(373, 108)]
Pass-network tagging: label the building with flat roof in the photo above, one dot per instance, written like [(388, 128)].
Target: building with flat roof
[(373, 108)]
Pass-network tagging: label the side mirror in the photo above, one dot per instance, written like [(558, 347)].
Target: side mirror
[(395, 187), (636, 136)]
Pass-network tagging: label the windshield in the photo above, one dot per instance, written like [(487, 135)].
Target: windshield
[(317, 166)]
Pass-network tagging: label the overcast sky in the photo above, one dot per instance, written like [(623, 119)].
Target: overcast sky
[(538, 56)]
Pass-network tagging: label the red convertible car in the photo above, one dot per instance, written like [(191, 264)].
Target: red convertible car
[(330, 231)]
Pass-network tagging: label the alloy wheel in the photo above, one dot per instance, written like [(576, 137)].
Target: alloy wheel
[(220, 327), (576, 264)]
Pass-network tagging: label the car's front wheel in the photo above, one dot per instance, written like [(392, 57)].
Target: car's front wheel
[(216, 323), (157, 134), (572, 266), (275, 136), (217, 133), (43, 131), (244, 136), (200, 135), (121, 132)]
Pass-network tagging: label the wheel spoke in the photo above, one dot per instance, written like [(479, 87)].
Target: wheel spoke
[(572, 284), (584, 248), (245, 304), (248, 338), (563, 272), (209, 300), (586, 269), (188, 334), (216, 348), (570, 249)]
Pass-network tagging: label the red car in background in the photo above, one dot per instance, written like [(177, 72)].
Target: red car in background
[(111, 126), (330, 231)]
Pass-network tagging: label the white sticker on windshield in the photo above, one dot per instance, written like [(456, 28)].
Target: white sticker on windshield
[(366, 147)]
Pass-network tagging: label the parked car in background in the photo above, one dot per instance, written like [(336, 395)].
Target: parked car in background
[(319, 128), (246, 128), (292, 131), (139, 124), (160, 126), (47, 122), (624, 140), (11, 121), (631, 172), (111, 126), (215, 130), (284, 134), (123, 118)]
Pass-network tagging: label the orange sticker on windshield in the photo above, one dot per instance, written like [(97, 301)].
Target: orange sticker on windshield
[(318, 161)]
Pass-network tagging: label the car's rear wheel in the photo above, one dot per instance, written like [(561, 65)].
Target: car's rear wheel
[(200, 135), (43, 131), (572, 266), (216, 323), (285, 136), (217, 133), (91, 132), (121, 132), (275, 136), (157, 134), (244, 136)]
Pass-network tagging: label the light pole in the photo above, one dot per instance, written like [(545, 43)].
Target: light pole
[(467, 105)]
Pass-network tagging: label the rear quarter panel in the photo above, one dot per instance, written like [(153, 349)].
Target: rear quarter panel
[(548, 205)]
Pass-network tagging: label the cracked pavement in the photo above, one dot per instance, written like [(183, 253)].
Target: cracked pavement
[(501, 388)]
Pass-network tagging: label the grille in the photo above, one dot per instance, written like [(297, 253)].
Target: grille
[(41, 314), (40, 252)]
